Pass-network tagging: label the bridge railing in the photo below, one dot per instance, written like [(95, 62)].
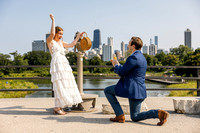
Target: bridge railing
[(109, 77)]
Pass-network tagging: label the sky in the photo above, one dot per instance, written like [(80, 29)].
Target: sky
[(23, 21)]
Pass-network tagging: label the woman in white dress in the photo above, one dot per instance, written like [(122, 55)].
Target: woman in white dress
[(64, 85)]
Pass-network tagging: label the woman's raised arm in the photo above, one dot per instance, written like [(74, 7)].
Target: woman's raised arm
[(52, 34)]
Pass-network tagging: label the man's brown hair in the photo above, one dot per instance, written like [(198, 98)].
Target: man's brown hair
[(137, 42)]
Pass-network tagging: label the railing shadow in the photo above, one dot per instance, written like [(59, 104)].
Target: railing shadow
[(81, 119)]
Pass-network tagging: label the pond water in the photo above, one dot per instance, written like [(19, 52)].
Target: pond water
[(96, 83)]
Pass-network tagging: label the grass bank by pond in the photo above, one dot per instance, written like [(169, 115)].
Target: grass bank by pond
[(189, 84), (16, 84)]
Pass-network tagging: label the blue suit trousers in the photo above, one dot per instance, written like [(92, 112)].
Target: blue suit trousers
[(135, 106)]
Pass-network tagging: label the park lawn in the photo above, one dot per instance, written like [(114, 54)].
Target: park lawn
[(23, 74), (189, 84), (150, 73), (16, 84)]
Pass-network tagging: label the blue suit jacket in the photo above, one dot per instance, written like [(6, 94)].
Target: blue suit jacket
[(132, 73)]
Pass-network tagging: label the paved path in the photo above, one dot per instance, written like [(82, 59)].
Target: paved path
[(34, 115)]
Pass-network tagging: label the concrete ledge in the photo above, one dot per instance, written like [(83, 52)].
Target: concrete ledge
[(187, 105), (107, 109)]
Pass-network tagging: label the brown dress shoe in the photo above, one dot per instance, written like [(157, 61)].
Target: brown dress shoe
[(162, 115), (120, 118)]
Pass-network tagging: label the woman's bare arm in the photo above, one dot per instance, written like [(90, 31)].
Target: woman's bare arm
[(52, 34), (71, 45)]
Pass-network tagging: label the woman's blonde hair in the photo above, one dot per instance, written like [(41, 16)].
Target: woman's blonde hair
[(57, 29)]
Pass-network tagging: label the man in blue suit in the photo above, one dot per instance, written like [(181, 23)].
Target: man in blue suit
[(132, 86)]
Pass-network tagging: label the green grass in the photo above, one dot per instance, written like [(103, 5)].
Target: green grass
[(154, 73), (16, 84), (23, 74), (189, 84)]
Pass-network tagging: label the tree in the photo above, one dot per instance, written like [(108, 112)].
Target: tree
[(14, 53), (5, 61), (193, 60), (170, 60), (85, 62), (161, 56), (197, 51), (38, 58), (95, 61), (149, 59), (109, 63), (19, 61), (72, 58), (181, 52), (155, 61)]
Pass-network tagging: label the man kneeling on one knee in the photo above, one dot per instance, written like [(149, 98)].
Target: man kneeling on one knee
[(132, 86)]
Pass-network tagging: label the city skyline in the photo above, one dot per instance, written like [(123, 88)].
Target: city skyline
[(22, 21)]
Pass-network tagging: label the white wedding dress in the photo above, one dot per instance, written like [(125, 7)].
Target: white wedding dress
[(64, 85)]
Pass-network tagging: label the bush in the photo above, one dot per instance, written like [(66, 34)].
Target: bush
[(43, 72), (17, 84)]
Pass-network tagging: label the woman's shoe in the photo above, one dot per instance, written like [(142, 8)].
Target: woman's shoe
[(120, 119), (59, 112)]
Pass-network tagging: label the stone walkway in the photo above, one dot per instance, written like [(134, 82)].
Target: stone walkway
[(34, 115)]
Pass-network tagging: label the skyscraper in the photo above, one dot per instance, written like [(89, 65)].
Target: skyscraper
[(145, 49), (123, 48), (188, 38), (151, 41), (156, 40), (110, 43), (38, 45), (160, 50), (46, 47), (108, 50), (126, 47), (118, 54), (152, 49), (96, 39)]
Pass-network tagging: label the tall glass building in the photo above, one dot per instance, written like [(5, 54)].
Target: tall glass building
[(38, 45), (97, 39), (108, 50), (156, 40), (188, 38), (123, 48)]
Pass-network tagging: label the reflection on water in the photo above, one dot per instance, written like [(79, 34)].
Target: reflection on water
[(97, 83)]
